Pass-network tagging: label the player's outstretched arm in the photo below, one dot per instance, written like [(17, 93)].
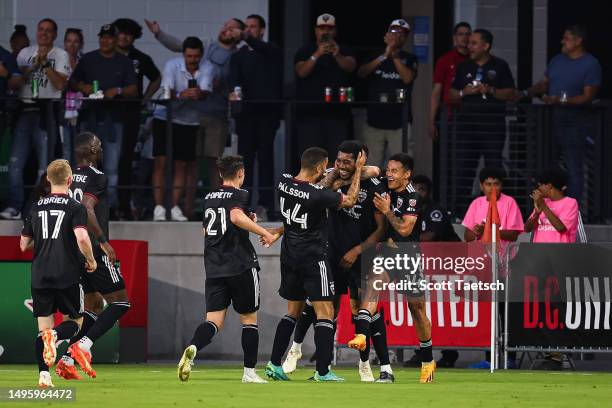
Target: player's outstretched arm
[(93, 224), (350, 198), (241, 220), (329, 179), (85, 246)]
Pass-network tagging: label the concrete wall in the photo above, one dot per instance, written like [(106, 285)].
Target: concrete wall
[(202, 18)]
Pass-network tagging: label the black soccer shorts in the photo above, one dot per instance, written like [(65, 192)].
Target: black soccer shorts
[(313, 281), (68, 301), (105, 279), (242, 291)]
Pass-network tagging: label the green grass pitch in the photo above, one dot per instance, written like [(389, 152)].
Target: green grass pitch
[(148, 385)]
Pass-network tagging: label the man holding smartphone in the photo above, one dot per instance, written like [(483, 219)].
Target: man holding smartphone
[(189, 80), (320, 65)]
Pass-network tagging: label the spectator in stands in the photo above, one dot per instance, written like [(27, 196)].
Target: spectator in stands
[(129, 31), (482, 84), (48, 66), (435, 224), (322, 64), (444, 73), (19, 39), (392, 70), (572, 78), (73, 45), (116, 79), (9, 81), (214, 126), (555, 216), (257, 69), (509, 213), (189, 80)]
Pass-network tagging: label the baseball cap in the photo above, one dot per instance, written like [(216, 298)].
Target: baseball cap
[(326, 20), (400, 23), (108, 29)]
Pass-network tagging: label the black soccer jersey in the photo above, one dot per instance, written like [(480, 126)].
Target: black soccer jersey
[(406, 202), (304, 209), (88, 180), (58, 262), (228, 250), (434, 218), (349, 227)]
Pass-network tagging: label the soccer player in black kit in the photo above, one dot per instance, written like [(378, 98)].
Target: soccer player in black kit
[(352, 231), (305, 269), (232, 268), (56, 228), (402, 207), (89, 187)]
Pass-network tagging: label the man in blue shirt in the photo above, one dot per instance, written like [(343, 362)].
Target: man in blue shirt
[(573, 79)]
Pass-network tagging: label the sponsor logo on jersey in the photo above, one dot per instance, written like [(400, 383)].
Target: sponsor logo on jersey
[(361, 197)]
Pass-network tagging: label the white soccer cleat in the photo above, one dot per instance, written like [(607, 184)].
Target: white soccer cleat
[(184, 366), (159, 213), (290, 364), (176, 214), (252, 377), (365, 371), (44, 380)]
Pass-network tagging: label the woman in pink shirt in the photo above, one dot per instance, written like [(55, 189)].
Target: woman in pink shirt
[(555, 216)]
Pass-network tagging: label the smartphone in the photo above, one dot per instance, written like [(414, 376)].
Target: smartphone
[(192, 83), (326, 38)]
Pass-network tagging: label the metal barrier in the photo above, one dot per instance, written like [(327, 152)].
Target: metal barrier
[(520, 137)]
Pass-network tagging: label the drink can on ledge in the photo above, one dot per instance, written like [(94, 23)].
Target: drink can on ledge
[(238, 92), (342, 94), (328, 94), (96, 86), (400, 95), (350, 95), (35, 86), (166, 92)]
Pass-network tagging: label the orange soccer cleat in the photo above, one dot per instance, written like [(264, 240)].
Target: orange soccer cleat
[(427, 372), (359, 342), (49, 352), (83, 358), (67, 372)]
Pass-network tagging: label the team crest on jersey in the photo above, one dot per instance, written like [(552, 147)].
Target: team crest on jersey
[(412, 202), (362, 196), (400, 201), (436, 215)]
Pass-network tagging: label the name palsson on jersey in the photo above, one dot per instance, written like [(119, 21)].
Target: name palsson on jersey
[(292, 191)]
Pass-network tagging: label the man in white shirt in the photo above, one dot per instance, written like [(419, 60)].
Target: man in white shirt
[(45, 69), (189, 80)]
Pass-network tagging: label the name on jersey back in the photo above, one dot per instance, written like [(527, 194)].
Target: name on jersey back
[(53, 200), (293, 191), (218, 194), (79, 178)]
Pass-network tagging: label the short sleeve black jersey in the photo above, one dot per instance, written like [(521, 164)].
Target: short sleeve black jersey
[(304, 209), (349, 227), (58, 262), (228, 250), (88, 180), (437, 220), (405, 203)]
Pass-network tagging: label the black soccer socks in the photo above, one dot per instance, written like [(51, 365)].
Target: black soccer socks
[(362, 322), (250, 344), (307, 317), (378, 331), (39, 347), (284, 330), (426, 351), (89, 318), (107, 319), (365, 354), (66, 330), (204, 334), (324, 343)]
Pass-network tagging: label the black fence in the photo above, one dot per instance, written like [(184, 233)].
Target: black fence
[(519, 137)]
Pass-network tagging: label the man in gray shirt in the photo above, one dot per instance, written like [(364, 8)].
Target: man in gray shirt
[(214, 126)]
